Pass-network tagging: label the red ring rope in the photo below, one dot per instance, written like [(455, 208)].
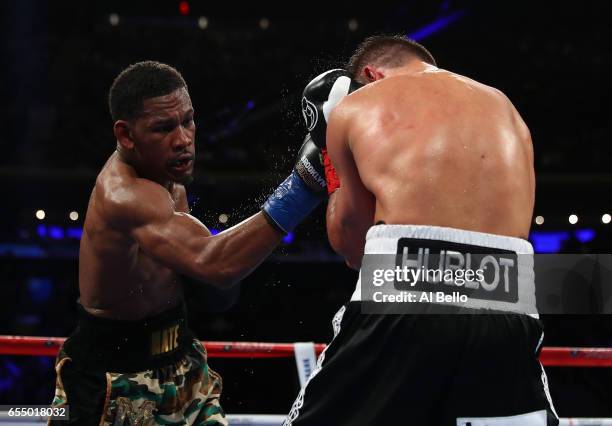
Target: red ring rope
[(49, 346)]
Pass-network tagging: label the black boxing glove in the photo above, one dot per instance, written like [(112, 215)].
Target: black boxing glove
[(293, 200), (309, 165), (320, 96)]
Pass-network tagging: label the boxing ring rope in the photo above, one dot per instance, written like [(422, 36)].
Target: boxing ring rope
[(49, 346), (549, 356)]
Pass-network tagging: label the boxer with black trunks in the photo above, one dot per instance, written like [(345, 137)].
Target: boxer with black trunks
[(424, 162), (132, 359)]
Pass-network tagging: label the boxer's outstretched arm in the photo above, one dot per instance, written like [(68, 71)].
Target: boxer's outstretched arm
[(182, 243), (350, 211)]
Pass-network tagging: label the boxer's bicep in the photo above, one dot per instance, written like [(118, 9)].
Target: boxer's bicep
[(182, 243), (174, 239)]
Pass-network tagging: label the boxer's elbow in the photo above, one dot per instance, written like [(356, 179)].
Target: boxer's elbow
[(340, 239), (216, 269), (353, 257), (218, 275), (225, 279), (336, 237)]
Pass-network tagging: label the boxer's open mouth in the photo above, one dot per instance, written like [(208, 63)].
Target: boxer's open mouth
[(182, 163)]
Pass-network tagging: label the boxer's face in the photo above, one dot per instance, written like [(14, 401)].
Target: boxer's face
[(163, 138)]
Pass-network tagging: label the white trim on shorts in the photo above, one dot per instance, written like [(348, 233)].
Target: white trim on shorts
[(383, 239), (299, 401)]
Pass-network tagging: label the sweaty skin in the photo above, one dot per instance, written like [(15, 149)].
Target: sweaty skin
[(425, 146), (138, 234)]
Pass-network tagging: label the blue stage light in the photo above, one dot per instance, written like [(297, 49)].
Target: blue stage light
[(74, 232), (584, 235), (41, 230), (56, 232), (548, 241), (435, 26), (288, 239), (40, 289)]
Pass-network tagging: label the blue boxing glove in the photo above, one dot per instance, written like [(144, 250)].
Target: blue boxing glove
[(308, 184), (300, 193)]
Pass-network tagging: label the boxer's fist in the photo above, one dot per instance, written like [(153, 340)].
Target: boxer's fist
[(320, 96), (301, 192), (309, 165)]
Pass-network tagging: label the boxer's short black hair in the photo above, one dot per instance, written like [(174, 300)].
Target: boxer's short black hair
[(140, 81), (387, 50)]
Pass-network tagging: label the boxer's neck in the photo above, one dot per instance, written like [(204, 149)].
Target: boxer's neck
[(140, 169), (412, 67)]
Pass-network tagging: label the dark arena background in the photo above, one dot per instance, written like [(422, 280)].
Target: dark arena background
[(246, 65)]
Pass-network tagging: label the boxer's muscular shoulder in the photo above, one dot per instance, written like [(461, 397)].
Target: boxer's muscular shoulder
[(483, 88), (368, 98), (127, 203), (358, 108), (505, 103), (350, 104)]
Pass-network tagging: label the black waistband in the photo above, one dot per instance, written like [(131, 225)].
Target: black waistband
[(129, 346)]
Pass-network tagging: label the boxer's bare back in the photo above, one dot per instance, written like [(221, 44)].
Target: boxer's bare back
[(427, 146)]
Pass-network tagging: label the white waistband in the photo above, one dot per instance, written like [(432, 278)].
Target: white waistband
[(384, 240)]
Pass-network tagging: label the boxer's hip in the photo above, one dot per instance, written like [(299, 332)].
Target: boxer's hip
[(150, 372), (420, 269), (129, 346), (426, 369)]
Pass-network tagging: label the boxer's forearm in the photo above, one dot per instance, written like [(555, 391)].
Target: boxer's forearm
[(231, 255), (183, 244), (341, 233)]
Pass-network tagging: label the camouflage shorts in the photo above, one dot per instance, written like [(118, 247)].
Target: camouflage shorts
[(183, 393)]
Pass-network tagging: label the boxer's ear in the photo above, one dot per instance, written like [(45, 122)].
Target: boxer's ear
[(122, 132), (371, 73)]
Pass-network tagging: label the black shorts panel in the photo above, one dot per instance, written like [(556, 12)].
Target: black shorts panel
[(426, 370)]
